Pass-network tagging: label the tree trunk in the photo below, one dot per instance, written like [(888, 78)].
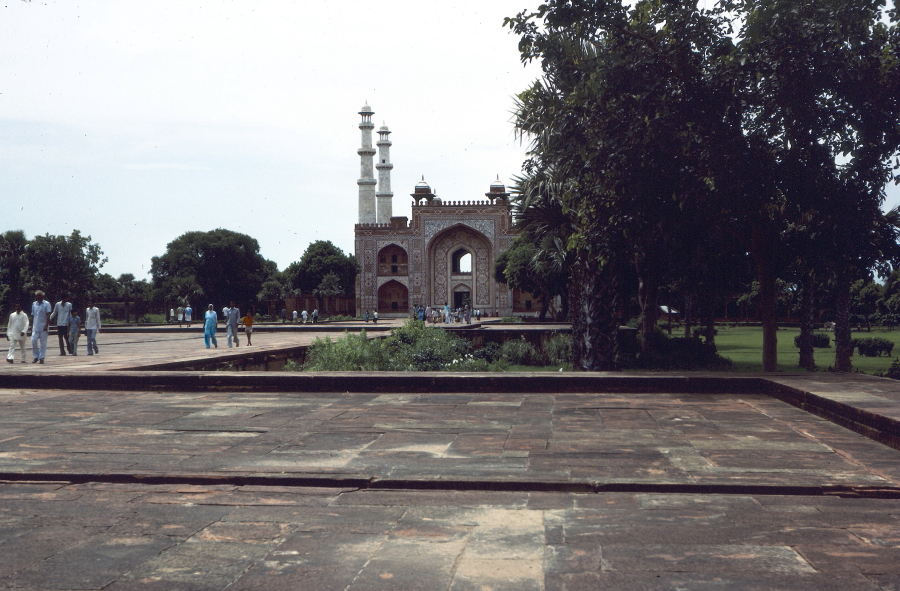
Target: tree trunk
[(688, 311), (708, 310), (842, 348), (545, 302), (763, 257), (807, 323), (595, 326), (648, 298)]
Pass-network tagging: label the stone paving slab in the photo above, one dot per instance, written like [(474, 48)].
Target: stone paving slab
[(683, 481), (596, 440), (133, 348), (106, 536)]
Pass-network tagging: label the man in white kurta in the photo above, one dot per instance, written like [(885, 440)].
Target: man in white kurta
[(15, 332), (232, 317), (40, 325), (92, 327), (61, 312)]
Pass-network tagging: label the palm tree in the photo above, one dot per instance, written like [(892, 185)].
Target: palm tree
[(328, 288)]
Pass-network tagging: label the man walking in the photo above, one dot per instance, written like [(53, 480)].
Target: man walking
[(232, 317), (61, 312), (92, 327), (15, 332), (40, 326)]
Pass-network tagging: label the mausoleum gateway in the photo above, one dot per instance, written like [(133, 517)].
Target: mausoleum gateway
[(445, 254)]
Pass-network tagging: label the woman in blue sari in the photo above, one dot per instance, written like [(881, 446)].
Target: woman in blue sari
[(209, 328)]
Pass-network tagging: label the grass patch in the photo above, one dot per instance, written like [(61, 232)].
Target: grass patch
[(743, 346)]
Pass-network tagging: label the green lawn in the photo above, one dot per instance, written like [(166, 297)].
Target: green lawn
[(743, 346)]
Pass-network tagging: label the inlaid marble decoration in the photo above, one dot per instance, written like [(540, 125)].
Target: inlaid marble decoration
[(432, 227)]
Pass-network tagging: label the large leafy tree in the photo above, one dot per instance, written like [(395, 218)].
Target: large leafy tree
[(63, 264), (321, 259), (662, 129), (222, 265), (821, 100), (620, 124)]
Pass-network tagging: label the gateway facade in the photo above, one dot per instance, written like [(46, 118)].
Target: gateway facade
[(444, 255)]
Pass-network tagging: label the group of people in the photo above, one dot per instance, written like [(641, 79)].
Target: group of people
[(233, 320), (374, 316), (305, 316), (446, 314), (67, 321), (183, 314)]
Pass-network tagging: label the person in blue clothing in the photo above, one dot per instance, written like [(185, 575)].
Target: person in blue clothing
[(188, 315), (209, 327)]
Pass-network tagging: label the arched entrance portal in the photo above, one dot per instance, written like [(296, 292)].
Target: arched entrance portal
[(459, 269), (393, 297)]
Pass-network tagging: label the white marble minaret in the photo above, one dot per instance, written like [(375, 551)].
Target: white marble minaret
[(384, 196), (367, 180)]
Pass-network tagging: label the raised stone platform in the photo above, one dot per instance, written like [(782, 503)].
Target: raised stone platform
[(115, 477)]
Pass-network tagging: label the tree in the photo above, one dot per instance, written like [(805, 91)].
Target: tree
[(272, 292), (126, 286), (221, 264), (63, 264), (620, 122), (864, 297), (521, 268), (320, 259), (544, 226), (328, 288), (13, 244), (822, 104), (661, 126)]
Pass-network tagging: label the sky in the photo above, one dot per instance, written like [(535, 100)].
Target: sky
[(135, 122)]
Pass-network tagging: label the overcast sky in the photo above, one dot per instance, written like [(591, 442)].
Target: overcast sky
[(135, 122)]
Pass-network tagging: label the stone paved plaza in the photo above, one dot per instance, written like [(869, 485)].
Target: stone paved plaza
[(530, 486)]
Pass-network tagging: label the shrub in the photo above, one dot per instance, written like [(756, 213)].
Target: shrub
[(892, 372), (511, 320), (519, 352), (667, 353), (490, 352), (349, 353), (418, 347), (339, 318), (558, 349), (872, 347), (820, 340)]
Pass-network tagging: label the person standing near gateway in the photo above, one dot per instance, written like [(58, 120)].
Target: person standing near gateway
[(188, 314), (40, 327), (180, 312), (61, 312), (15, 332), (92, 327), (209, 327), (232, 317)]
